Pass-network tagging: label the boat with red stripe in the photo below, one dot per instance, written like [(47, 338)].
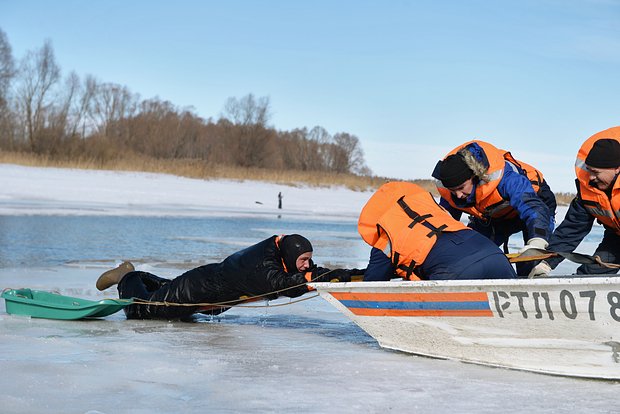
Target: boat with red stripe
[(562, 326)]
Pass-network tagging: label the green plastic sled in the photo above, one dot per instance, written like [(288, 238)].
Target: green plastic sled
[(41, 304)]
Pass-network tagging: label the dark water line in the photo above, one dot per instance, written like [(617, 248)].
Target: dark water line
[(35, 241)]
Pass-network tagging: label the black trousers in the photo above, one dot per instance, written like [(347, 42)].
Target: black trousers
[(500, 230), (194, 286)]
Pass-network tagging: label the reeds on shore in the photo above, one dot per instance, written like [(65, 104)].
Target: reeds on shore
[(194, 168)]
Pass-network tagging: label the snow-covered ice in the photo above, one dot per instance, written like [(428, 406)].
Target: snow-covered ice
[(300, 357)]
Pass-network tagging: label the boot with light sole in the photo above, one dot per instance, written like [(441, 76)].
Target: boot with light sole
[(112, 277)]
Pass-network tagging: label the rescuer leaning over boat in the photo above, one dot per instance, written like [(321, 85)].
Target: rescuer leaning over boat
[(279, 265), (502, 195), (415, 238), (598, 198)]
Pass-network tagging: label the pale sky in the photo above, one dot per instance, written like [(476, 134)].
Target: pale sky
[(411, 79)]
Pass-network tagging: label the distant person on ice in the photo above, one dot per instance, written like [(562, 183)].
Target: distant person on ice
[(503, 196), (279, 265), (598, 198), (280, 200), (415, 238)]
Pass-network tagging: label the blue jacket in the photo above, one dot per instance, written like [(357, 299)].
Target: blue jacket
[(463, 254), (575, 227), (517, 189)]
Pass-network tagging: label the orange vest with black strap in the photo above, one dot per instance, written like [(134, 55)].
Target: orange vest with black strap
[(488, 201), (605, 209), (532, 174), (403, 220)]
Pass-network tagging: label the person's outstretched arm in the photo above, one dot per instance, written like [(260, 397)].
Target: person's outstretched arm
[(379, 267)]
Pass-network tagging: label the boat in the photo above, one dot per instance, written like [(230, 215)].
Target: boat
[(48, 305), (567, 326)]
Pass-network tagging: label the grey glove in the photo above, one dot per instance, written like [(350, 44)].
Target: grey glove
[(542, 269), (535, 243)]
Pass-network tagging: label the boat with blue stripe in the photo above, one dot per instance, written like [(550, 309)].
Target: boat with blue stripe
[(563, 326)]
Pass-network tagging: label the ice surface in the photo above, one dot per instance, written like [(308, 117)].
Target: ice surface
[(302, 357)]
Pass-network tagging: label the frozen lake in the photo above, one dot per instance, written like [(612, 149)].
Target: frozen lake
[(59, 229), (300, 357)]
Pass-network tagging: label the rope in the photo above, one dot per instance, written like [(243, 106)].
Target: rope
[(279, 304), (235, 302), (579, 258), (605, 264), (205, 304)]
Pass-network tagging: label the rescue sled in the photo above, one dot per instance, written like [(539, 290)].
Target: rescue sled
[(563, 326), (41, 304)]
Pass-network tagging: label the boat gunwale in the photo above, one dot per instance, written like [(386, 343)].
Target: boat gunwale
[(476, 283)]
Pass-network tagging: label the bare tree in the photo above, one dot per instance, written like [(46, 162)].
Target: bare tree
[(110, 105), (251, 141), (292, 148), (38, 75), (7, 73), (320, 154), (102, 120), (156, 129), (58, 119), (80, 105), (7, 68), (248, 110), (349, 156)]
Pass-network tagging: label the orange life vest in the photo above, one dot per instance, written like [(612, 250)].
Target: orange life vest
[(596, 202), (488, 201), (403, 220), (532, 174)]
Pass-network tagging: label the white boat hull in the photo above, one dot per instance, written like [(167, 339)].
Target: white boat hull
[(562, 326)]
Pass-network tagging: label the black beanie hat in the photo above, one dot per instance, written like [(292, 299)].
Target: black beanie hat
[(291, 247), (454, 171), (605, 153)]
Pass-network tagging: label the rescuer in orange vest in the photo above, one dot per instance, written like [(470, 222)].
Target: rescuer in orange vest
[(503, 196), (598, 198), (414, 238)]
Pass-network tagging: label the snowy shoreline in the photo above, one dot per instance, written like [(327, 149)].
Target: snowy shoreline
[(51, 191), (64, 191)]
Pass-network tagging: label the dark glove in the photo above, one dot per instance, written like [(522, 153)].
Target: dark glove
[(357, 275), (337, 275)]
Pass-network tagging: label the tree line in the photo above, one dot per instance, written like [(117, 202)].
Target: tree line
[(44, 113)]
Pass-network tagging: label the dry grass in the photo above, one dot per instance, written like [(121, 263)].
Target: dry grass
[(199, 169)]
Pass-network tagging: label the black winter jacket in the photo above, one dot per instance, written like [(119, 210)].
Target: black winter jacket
[(254, 272), (258, 270)]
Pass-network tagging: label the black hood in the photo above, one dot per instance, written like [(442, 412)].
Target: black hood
[(291, 247)]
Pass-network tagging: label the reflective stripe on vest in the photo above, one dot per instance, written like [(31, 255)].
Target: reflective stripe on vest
[(535, 176), (595, 201), (489, 204)]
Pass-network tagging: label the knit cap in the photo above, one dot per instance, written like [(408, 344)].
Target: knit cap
[(605, 153), (454, 171)]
